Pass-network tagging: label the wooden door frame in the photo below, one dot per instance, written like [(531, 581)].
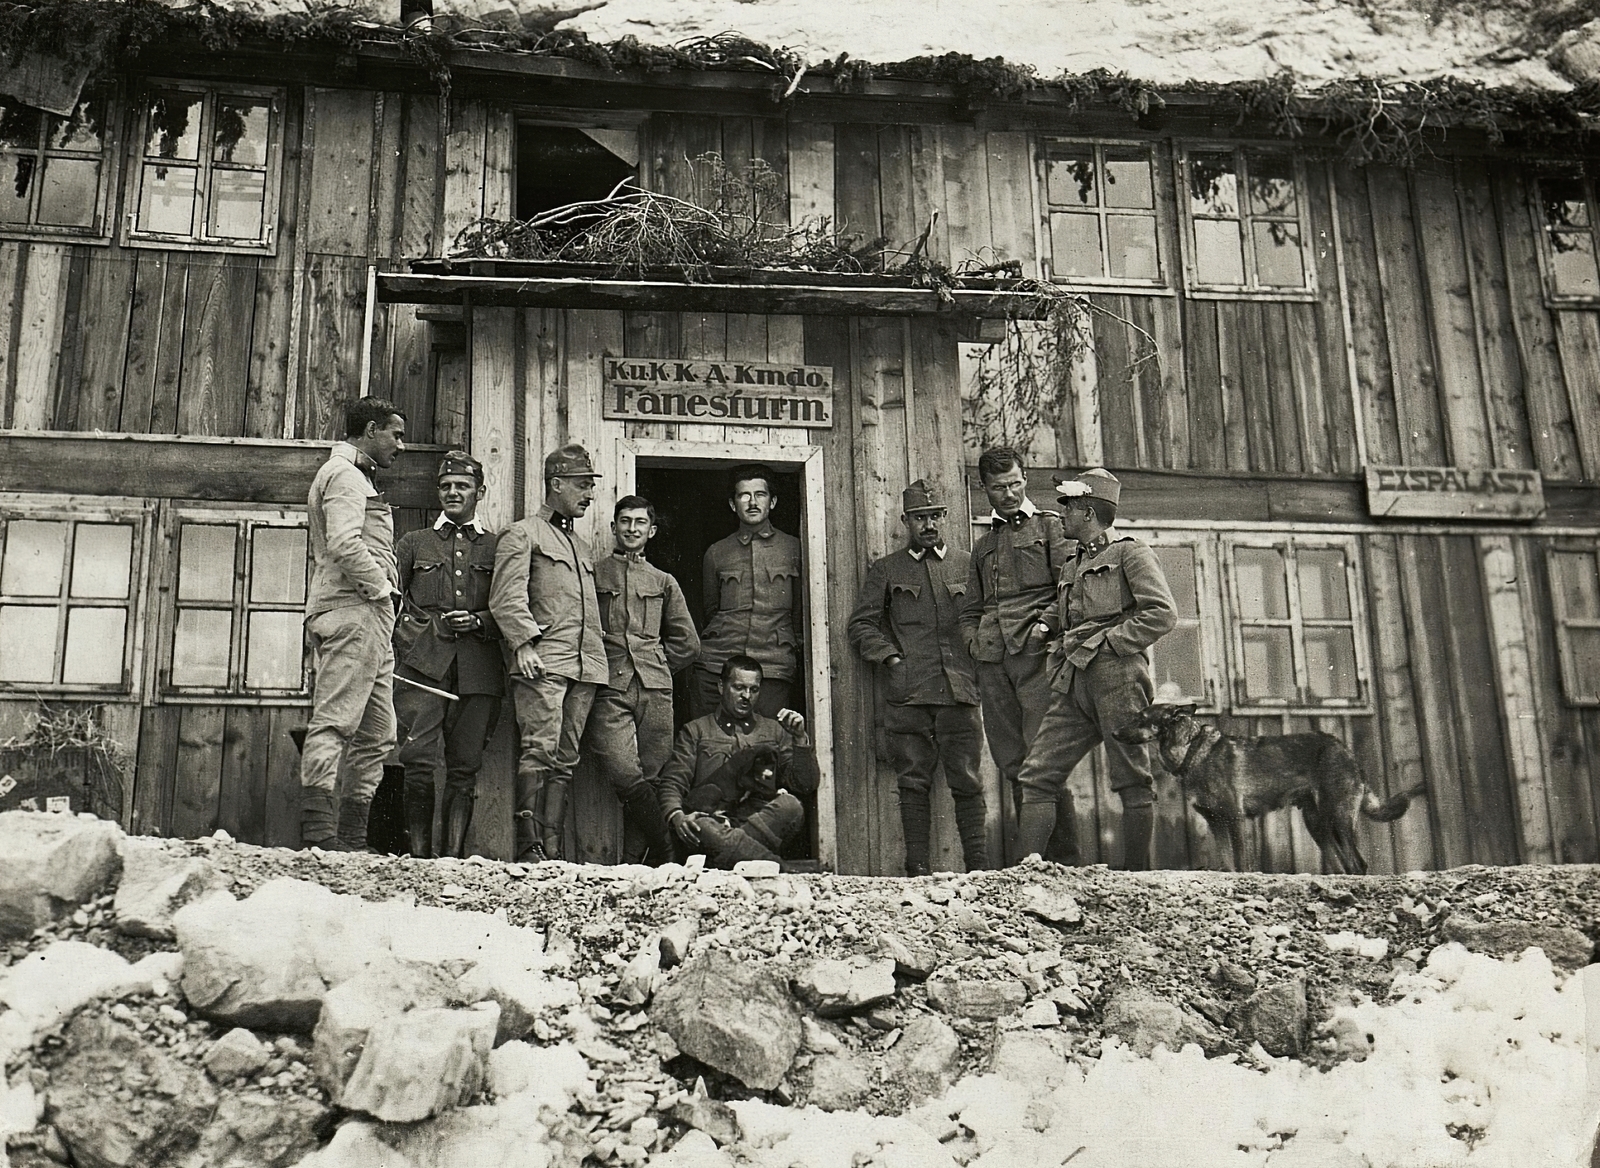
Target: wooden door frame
[(809, 461)]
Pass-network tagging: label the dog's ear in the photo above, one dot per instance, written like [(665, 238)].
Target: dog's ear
[(1185, 711)]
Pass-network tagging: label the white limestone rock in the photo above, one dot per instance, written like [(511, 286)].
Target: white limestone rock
[(423, 1063), (51, 864)]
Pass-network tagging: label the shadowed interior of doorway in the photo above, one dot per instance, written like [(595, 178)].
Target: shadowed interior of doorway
[(692, 513)]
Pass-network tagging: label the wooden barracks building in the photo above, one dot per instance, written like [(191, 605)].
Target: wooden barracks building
[(1354, 401)]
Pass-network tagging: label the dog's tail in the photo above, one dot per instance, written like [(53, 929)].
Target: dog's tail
[(1384, 810)]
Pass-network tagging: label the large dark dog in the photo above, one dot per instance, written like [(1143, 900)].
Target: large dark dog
[(1232, 779)]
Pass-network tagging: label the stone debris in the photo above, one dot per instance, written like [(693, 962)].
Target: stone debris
[(711, 1116), (927, 1057), (1566, 947), (736, 1017), (50, 864), (524, 996), (422, 1063), (638, 978), (156, 883), (676, 939), (236, 1055), (386, 990), (1052, 905), (259, 1131), (1275, 1017), (914, 961), (49, 986), (832, 987), (1145, 1022), (839, 1082), (977, 999)]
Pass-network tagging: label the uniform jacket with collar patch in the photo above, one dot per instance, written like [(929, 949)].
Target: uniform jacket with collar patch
[(543, 590), (1011, 584), (352, 535), (911, 608), (752, 601), (1113, 598), (442, 571), (648, 629), (707, 743)]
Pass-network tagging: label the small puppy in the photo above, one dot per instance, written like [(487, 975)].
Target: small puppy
[(1233, 779)]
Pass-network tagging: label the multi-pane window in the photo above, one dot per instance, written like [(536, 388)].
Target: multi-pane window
[(67, 592), (1298, 642), (1101, 213), (1182, 661), (53, 170), (1244, 219), (1566, 213), (208, 168), (1575, 593), (239, 592)]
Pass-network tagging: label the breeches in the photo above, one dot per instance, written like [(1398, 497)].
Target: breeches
[(754, 832), (551, 714), (439, 736), (352, 699), (1015, 694), (1102, 699), (920, 738), (629, 734)]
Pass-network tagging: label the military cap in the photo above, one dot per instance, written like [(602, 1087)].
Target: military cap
[(920, 496), (459, 462), (1095, 483), (571, 461)]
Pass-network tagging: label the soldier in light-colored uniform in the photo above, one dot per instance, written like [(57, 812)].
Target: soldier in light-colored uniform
[(1112, 604), (350, 611), (544, 601), (649, 636), (906, 619)]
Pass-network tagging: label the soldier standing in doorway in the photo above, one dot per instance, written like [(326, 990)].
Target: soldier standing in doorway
[(1113, 604), (544, 601), (350, 612), (1011, 587), (753, 598), (649, 636), (446, 638), (906, 619)]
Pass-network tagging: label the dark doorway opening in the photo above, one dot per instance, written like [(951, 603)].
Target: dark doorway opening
[(692, 513), (557, 165)]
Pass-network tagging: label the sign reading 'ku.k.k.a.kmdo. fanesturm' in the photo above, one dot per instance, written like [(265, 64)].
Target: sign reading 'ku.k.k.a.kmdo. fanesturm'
[(1448, 492), (731, 393)]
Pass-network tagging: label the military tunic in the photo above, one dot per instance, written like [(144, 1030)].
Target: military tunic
[(752, 604)]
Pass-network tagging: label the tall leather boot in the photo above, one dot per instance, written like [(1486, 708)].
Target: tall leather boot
[(914, 822), (353, 824), (1138, 825), (971, 826), (552, 819), (1033, 833), (319, 819), (458, 806), (641, 811), (1063, 845), (530, 848), (419, 819)]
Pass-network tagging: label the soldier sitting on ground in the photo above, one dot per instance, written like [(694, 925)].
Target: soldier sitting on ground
[(730, 788)]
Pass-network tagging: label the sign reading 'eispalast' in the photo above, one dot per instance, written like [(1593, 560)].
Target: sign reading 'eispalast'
[(1449, 492), (734, 393)]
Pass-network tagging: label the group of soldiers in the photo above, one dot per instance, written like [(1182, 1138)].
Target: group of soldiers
[(1045, 627), (419, 642)]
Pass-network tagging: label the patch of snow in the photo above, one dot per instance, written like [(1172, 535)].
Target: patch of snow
[(45, 988)]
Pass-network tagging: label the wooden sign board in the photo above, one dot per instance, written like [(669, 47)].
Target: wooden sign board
[(732, 393), (1448, 492)]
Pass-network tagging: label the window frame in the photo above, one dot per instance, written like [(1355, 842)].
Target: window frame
[(246, 520), (137, 513), (1209, 622), (103, 228), (1047, 152), (132, 235), (1541, 231), (1562, 622), (1290, 543), (1193, 286)]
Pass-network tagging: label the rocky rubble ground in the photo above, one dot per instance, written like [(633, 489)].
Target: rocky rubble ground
[(210, 1003)]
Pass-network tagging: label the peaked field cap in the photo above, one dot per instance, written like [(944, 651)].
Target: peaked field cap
[(570, 461), (1095, 483), (920, 496), (459, 462)]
